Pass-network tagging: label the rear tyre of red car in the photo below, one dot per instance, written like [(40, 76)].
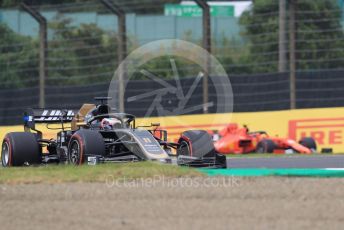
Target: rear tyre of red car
[(309, 142), (85, 143), (265, 146), (19, 149)]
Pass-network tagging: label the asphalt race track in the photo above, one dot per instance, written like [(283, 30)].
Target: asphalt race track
[(324, 161)]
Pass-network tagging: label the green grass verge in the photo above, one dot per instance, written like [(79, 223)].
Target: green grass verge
[(98, 173)]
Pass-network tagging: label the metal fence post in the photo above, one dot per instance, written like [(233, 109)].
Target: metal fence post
[(292, 58), (206, 45), (282, 37), (43, 50), (122, 47)]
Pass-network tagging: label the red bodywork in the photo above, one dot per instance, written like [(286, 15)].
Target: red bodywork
[(233, 139)]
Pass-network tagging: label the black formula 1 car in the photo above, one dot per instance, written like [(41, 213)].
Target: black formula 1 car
[(96, 135)]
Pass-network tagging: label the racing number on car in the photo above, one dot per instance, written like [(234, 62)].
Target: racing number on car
[(147, 140)]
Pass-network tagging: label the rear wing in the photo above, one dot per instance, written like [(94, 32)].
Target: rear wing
[(49, 115), (53, 116)]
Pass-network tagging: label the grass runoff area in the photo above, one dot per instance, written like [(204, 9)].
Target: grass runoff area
[(102, 172), (86, 173)]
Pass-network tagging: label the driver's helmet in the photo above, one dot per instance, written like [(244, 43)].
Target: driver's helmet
[(110, 123), (99, 110)]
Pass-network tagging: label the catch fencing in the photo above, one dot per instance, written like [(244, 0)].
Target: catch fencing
[(263, 92), (260, 50)]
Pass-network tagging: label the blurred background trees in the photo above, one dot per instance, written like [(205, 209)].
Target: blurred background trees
[(319, 35), (18, 59), (85, 53)]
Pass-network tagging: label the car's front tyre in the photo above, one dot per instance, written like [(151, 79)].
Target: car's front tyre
[(85, 143), (309, 142), (196, 149)]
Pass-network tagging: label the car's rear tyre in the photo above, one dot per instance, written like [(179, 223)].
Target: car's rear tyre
[(309, 142), (197, 143), (85, 143), (20, 148), (265, 146)]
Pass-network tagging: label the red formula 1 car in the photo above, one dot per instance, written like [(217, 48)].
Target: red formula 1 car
[(237, 140)]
